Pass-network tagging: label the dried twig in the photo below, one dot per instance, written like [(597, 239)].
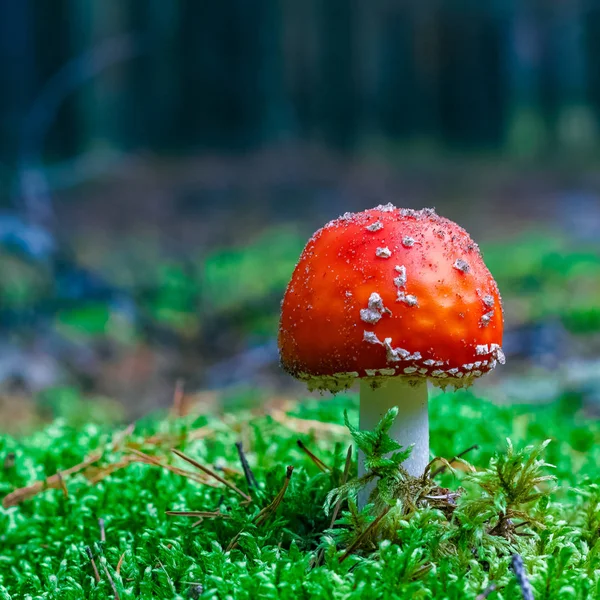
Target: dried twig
[(516, 563), (356, 543), (88, 551), (320, 464), (212, 474), (54, 481), (441, 469), (247, 470)]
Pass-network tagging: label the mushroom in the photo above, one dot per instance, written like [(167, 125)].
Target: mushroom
[(425, 311)]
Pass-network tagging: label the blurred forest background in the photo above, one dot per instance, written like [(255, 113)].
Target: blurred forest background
[(188, 76), (163, 162)]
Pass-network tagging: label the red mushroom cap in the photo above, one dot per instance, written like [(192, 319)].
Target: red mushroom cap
[(390, 292)]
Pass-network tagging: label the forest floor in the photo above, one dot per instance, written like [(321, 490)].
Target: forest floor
[(171, 508), (179, 277)]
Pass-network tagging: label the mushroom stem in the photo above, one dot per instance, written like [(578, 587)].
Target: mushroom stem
[(410, 427)]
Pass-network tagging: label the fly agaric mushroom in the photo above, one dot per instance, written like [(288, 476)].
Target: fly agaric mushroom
[(393, 297)]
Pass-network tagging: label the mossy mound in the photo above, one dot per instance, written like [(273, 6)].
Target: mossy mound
[(281, 542)]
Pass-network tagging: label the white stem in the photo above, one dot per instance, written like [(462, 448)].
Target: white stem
[(410, 427)]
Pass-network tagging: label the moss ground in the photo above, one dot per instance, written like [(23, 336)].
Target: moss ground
[(281, 542)]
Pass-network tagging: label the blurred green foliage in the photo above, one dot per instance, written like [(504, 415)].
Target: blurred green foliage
[(174, 301), (249, 274), (22, 282), (67, 404), (543, 275)]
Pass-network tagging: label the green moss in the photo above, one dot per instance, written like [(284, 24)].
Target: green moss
[(428, 554)]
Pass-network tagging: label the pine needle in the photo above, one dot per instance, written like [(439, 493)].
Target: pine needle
[(357, 542), (212, 474), (88, 551), (202, 514), (55, 481), (250, 479), (118, 569), (111, 582), (153, 460), (320, 464), (268, 511), (444, 466)]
